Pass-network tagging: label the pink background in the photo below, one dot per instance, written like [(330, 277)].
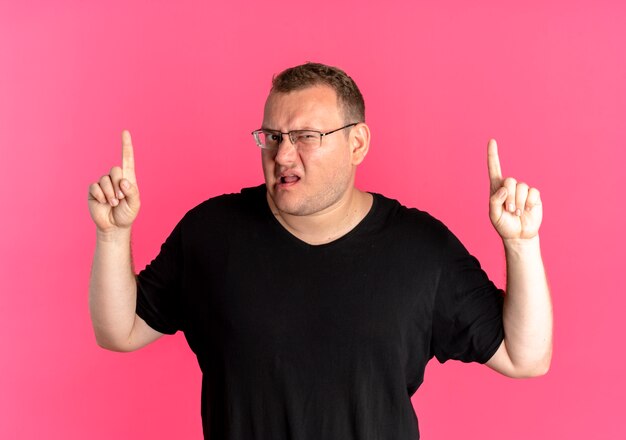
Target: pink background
[(546, 79)]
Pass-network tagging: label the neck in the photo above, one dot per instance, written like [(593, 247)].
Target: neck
[(329, 224)]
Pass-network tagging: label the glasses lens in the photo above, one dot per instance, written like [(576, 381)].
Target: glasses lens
[(303, 139), (268, 139), (306, 139)]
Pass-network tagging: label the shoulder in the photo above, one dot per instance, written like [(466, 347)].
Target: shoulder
[(244, 199), (225, 209), (410, 221)]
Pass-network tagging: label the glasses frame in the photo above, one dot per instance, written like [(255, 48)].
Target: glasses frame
[(291, 134)]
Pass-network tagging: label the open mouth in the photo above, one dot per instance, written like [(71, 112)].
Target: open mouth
[(289, 179)]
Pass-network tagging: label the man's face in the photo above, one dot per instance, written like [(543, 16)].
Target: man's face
[(314, 181)]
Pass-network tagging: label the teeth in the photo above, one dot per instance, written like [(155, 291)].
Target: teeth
[(289, 179)]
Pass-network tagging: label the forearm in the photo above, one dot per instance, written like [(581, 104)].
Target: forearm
[(527, 308), (112, 289)]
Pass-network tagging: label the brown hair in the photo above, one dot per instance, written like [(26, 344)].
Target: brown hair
[(314, 74)]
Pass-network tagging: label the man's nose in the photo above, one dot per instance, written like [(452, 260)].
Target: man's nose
[(286, 151)]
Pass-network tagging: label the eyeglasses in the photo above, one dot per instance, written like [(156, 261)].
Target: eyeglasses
[(301, 139)]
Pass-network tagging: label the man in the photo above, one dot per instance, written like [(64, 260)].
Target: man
[(313, 307)]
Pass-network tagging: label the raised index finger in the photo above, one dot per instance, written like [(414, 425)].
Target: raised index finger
[(128, 158), (493, 163)]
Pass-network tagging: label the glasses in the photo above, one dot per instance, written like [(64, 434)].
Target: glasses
[(301, 139)]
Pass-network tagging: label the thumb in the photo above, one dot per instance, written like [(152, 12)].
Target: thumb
[(496, 204), (131, 193)]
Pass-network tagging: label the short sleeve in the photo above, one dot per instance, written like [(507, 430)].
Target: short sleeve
[(467, 318), (159, 287)]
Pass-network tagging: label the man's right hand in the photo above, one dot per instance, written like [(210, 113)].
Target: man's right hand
[(114, 205), (114, 199)]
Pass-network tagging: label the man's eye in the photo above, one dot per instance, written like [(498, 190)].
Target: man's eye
[(306, 136), (272, 138)]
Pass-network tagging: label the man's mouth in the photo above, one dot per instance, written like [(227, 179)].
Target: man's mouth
[(289, 179)]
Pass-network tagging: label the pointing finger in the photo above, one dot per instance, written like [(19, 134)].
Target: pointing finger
[(128, 158), (493, 164)]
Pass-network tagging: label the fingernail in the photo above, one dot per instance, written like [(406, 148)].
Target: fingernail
[(120, 195), (125, 184), (114, 202), (511, 207), (518, 212)]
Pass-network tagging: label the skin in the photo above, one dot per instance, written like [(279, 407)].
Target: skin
[(516, 212), (114, 204), (320, 207), (323, 204)]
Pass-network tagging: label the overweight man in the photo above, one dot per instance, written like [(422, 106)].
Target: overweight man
[(313, 306)]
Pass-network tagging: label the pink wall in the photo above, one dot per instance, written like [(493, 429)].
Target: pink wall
[(189, 81)]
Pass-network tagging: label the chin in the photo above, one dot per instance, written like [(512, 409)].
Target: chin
[(298, 205), (285, 204)]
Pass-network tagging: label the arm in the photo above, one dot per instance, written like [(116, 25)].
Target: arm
[(113, 205), (516, 213)]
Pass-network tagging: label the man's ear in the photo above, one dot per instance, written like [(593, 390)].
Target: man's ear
[(359, 142)]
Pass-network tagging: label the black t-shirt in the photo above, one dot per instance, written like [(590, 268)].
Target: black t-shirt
[(305, 342)]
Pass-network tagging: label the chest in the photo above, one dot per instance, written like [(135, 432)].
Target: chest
[(257, 301)]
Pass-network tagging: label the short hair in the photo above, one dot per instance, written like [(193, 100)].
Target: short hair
[(314, 74)]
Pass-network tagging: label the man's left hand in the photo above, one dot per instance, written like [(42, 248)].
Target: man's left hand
[(514, 208)]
